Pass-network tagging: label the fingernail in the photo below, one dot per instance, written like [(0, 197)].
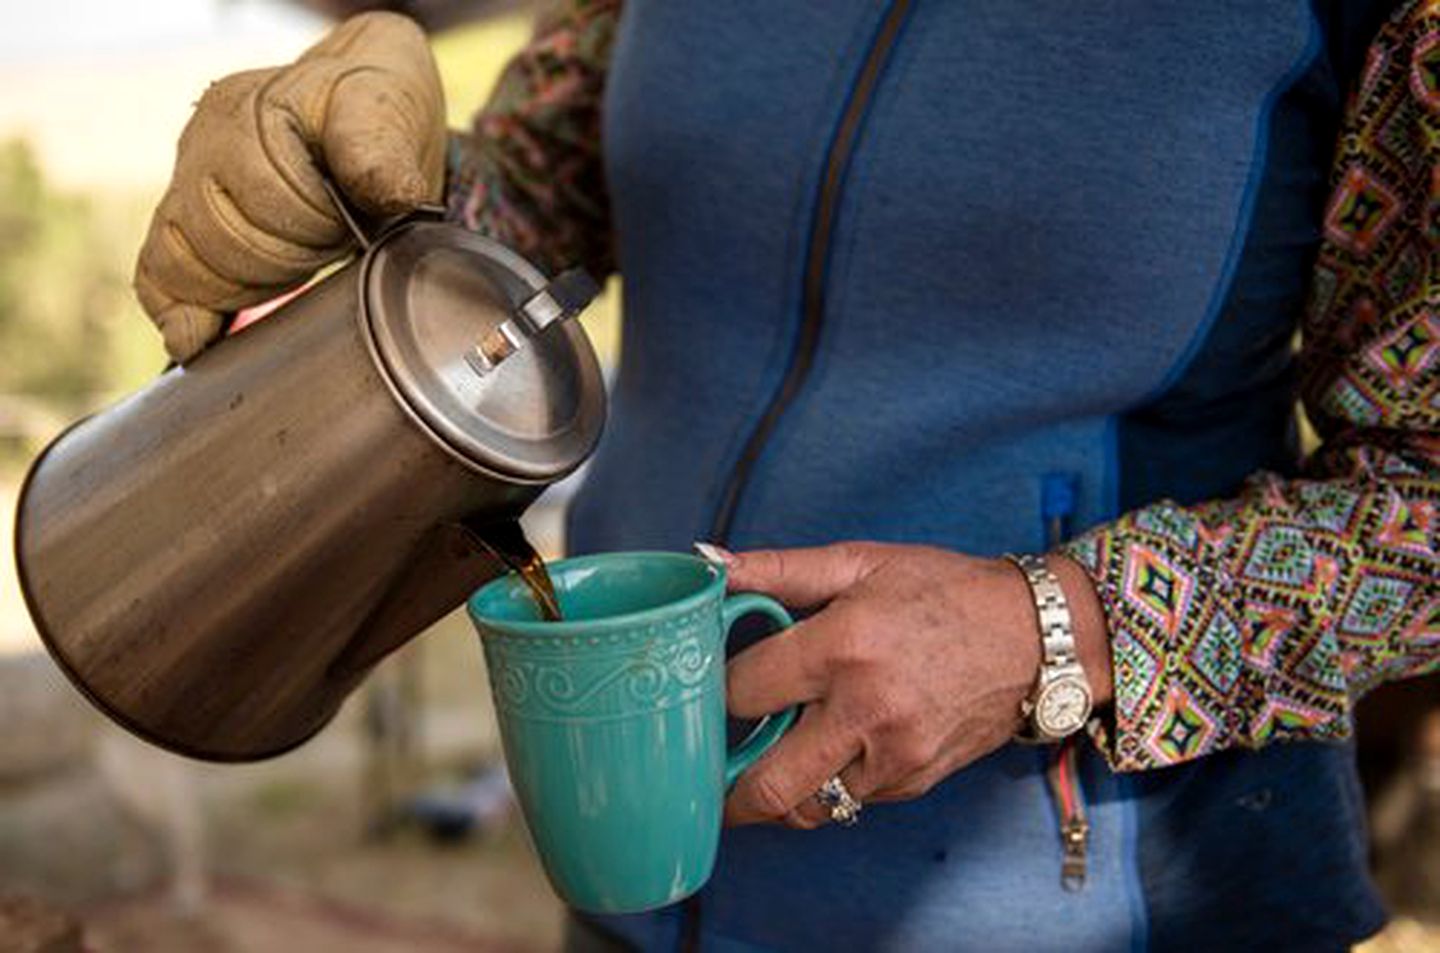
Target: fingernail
[(715, 554)]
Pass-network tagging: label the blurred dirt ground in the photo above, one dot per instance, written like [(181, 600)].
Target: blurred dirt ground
[(152, 853), (240, 917)]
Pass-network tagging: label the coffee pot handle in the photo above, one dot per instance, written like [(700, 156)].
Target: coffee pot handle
[(364, 238), (770, 728)]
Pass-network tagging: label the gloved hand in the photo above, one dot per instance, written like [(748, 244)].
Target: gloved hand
[(246, 216)]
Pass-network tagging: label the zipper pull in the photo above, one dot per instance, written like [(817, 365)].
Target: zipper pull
[(1076, 836), (1064, 778)]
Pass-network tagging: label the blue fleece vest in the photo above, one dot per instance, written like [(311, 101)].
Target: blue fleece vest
[(1067, 265)]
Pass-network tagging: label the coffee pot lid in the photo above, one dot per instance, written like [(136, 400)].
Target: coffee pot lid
[(433, 292)]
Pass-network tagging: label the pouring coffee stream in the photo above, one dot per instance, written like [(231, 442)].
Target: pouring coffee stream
[(508, 543)]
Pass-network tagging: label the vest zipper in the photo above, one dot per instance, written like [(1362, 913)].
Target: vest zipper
[(802, 357)]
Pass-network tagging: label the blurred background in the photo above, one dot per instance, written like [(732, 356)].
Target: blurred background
[(393, 830)]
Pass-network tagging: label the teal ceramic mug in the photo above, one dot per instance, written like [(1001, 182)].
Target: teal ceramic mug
[(613, 721)]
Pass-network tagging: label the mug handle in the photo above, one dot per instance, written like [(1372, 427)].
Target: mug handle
[(771, 727)]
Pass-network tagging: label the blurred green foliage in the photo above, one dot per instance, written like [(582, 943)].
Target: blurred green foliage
[(50, 296), (70, 333)]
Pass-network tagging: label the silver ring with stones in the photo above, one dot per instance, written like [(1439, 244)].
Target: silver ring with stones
[(844, 809)]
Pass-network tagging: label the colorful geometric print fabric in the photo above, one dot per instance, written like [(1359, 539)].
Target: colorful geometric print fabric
[(529, 173), (1241, 622), (1234, 623)]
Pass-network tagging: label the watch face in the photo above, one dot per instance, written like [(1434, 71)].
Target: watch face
[(1062, 707)]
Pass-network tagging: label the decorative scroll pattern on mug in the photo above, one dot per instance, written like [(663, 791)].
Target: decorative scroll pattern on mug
[(663, 676)]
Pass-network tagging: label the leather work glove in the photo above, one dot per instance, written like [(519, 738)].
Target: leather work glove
[(246, 215)]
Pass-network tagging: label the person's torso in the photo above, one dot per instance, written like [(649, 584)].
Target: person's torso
[(1068, 252)]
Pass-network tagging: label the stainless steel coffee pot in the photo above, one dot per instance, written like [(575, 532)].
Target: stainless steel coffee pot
[(219, 559)]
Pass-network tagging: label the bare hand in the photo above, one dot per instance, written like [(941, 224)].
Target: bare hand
[(915, 666)]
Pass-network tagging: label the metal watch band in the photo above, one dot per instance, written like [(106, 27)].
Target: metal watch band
[(1057, 633), (1059, 663)]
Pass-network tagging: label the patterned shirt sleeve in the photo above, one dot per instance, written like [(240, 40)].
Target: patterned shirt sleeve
[(528, 173), (1244, 621)]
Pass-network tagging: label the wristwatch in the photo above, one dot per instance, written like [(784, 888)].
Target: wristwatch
[(1060, 703)]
